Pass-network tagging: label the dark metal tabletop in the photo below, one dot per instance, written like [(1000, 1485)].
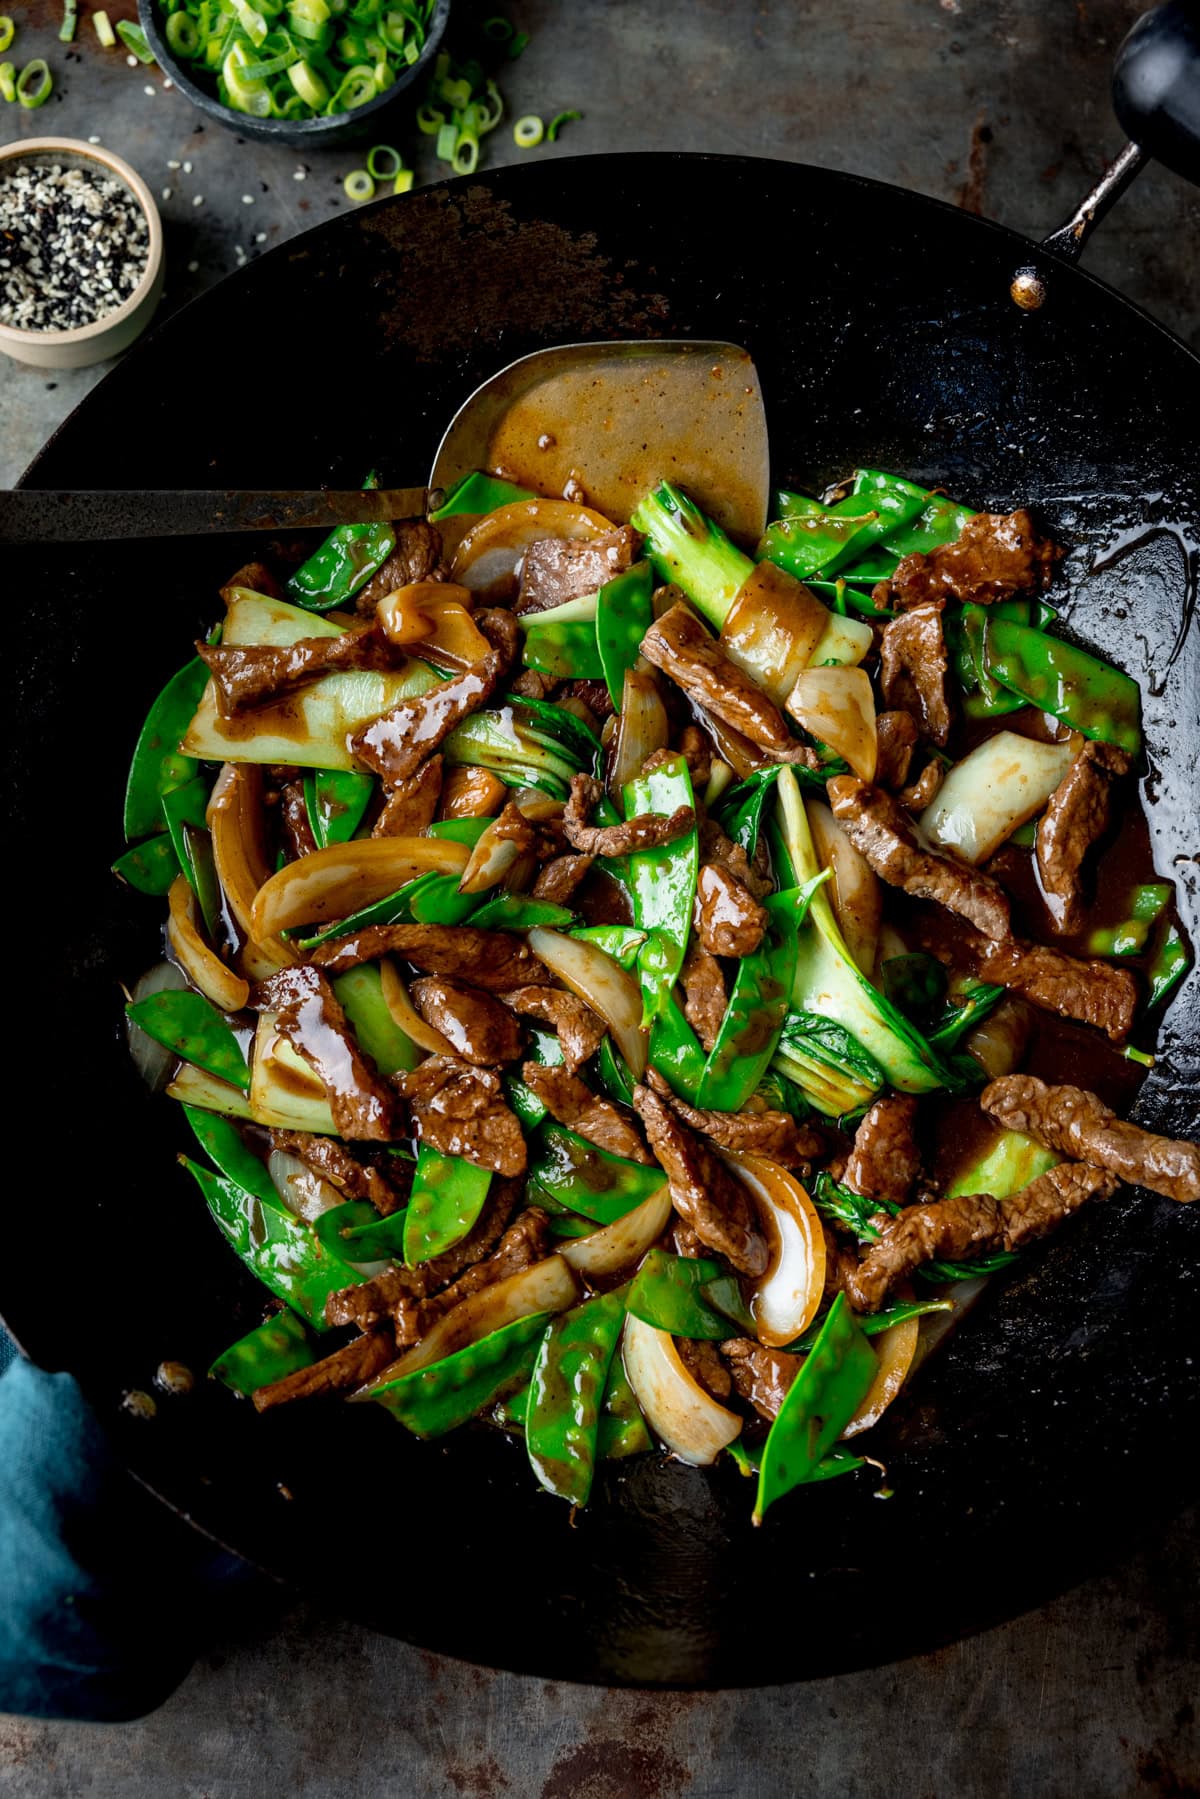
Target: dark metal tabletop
[(1000, 106)]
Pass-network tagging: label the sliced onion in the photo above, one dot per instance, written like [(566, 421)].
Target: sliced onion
[(235, 818), (334, 882), (285, 1094), (894, 1348), (772, 629), (486, 559), (999, 1043), (786, 1299), (194, 1086), (492, 858), (548, 1286), (742, 756), (153, 1061), (856, 896), (720, 777), (303, 1191), (642, 728), (837, 705), (844, 640), (202, 965), (405, 1015), (604, 984), (986, 796), (618, 1245), (677, 1409), (436, 616)]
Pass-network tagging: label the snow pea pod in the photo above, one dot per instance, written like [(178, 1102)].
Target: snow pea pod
[(986, 697), (447, 1197), (563, 649), (438, 1398), (749, 1458), (272, 1349), (225, 1147), (191, 1026), (622, 1428), (360, 994), (357, 1232), (545, 1048), (1058, 677), (157, 765), (806, 544), (278, 1248), (820, 1403), (931, 519), (667, 1291), (478, 493), (740, 812), (335, 800), (429, 899), (624, 614), (342, 564), (676, 1051), (621, 942), (749, 1032), (460, 830), (517, 912), (613, 1074), (566, 1393), (585, 1179), (185, 810), (662, 883), (150, 866), (1170, 962), (877, 1322)]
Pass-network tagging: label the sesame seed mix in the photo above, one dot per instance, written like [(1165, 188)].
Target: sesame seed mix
[(73, 246)]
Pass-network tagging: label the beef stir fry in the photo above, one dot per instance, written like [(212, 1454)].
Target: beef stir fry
[(619, 987)]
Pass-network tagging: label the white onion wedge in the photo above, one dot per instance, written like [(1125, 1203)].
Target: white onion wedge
[(202, 965), (623, 1242), (284, 1092), (856, 895), (604, 984), (304, 1192), (471, 793), (405, 1015), (153, 1060), (334, 882), (844, 640), (194, 1086), (836, 705), (786, 1299), (894, 1349), (642, 728), (772, 628), (991, 792), (548, 1286), (677, 1409), (486, 559), (435, 616), (235, 818)]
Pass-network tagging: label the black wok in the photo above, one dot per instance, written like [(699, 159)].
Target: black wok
[(1057, 1421)]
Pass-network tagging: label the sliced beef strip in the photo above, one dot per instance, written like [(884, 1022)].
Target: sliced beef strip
[(761, 1376), (257, 577), (885, 1161), (461, 1111), (717, 846), (697, 752), (310, 1016), (647, 831), (531, 685), (494, 960), (685, 1240), (593, 696), (397, 1290), (704, 997), (1092, 991), (340, 1372), (772, 1134), (558, 879), (727, 918), (1078, 1124), (572, 1102), (526, 1241), (703, 1362), (257, 674), (293, 817), (475, 1025), (394, 745), (679, 645), (334, 1163), (996, 556), (914, 670), (718, 1207), (924, 790), (1076, 817), (580, 1031), (883, 833), (557, 569), (411, 806), (896, 738), (415, 558), (970, 1225)]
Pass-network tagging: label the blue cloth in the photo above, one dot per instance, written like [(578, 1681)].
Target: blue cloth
[(104, 1593)]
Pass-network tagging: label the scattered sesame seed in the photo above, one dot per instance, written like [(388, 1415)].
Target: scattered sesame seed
[(192, 267), (187, 168), (247, 199), (260, 237), (199, 200), (93, 140), (166, 193), (299, 174), (131, 62), (150, 89), (168, 82), (173, 164)]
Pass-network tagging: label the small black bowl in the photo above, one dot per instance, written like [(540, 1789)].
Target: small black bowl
[(338, 128)]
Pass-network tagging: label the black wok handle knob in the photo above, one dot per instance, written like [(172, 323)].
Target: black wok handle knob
[(1156, 85)]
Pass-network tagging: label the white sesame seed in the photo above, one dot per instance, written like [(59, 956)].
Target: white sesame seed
[(187, 168), (298, 174), (131, 62), (166, 193), (192, 267), (199, 200), (260, 237), (168, 82), (247, 199), (93, 140), (150, 89), (173, 164)]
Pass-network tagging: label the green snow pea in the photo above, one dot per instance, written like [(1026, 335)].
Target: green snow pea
[(808, 544), (566, 1393), (843, 598), (585, 1179), (517, 912), (819, 1405), (876, 1322), (283, 1252), (478, 493), (1170, 962), (438, 1398), (429, 899), (622, 1428), (1058, 677), (676, 1051), (620, 941), (565, 650), (460, 830), (356, 1232), (272, 1349), (749, 1458), (447, 1197), (191, 1026), (1147, 903), (335, 800), (225, 1147), (613, 1074), (184, 809), (740, 810), (360, 994), (341, 565), (986, 697), (624, 614), (150, 866), (544, 1048), (157, 765), (749, 1032), (662, 883), (668, 1292), (936, 521)]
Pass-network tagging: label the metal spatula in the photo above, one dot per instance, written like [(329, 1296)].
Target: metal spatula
[(604, 420)]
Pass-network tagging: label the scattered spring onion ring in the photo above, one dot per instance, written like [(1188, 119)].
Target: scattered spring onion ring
[(34, 83), (562, 118), (104, 30), (497, 28), (528, 132), (8, 81), (430, 119), (7, 31), (134, 39), (447, 138), (466, 153), (358, 185), (66, 31), (310, 89), (403, 182), (384, 161), (516, 44), (182, 34)]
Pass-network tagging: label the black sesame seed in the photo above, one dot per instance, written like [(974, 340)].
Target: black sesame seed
[(73, 246)]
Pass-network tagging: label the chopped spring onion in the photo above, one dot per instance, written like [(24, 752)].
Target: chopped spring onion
[(403, 182), (465, 157), (497, 28), (310, 89), (182, 34), (447, 138), (358, 185), (430, 119), (383, 161), (34, 83), (528, 132), (560, 119), (516, 43), (66, 31), (7, 31), (8, 81), (134, 39)]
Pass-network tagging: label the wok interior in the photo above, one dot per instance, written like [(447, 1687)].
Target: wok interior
[(1022, 1451)]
